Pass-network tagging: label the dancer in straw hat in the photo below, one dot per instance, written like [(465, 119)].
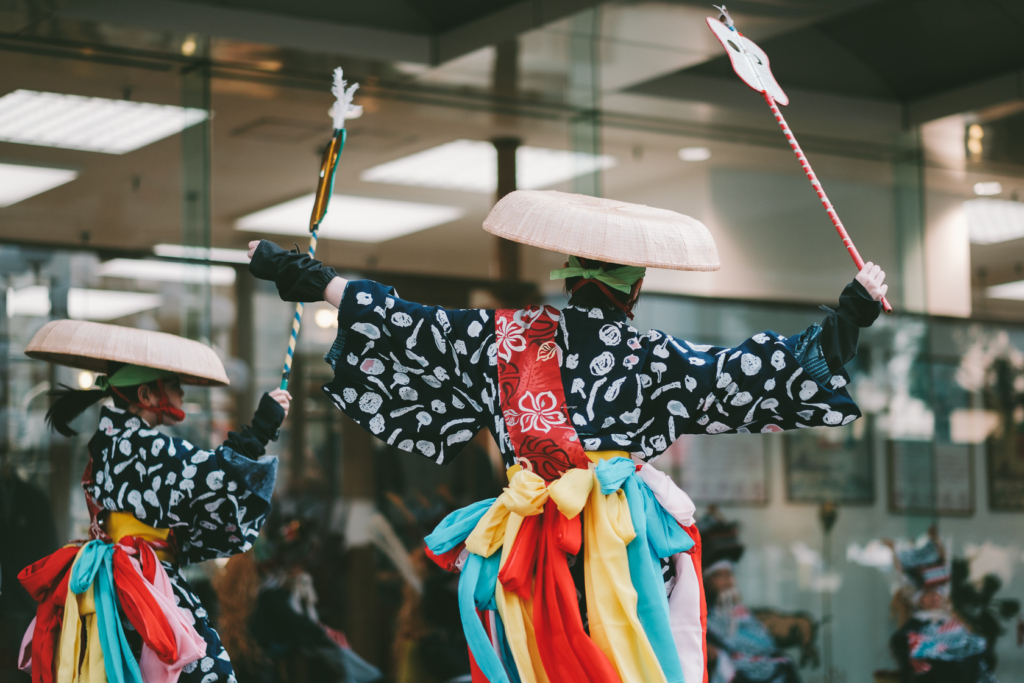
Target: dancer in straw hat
[(576, 400), (157, 503)]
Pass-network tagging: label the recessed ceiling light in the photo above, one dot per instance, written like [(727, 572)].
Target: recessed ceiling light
[(201, 254), (83, 304), (695, 154), (167, 271), (990, 221), (19, 182), (358, 219), (91, 124), (988, 189), (472, 166)]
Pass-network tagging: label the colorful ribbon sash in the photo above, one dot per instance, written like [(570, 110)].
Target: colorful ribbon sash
[(97, 582)]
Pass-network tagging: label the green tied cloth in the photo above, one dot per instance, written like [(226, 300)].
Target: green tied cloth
[(622, 278), (132, 375)]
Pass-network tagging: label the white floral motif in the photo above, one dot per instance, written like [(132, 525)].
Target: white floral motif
[(750, 364), (509, 337), (401, 319), (610, 335), (807, 390), (539, 412)]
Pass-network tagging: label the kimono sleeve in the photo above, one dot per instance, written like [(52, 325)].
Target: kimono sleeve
[(420, 378), (219, 500), (758, 386)]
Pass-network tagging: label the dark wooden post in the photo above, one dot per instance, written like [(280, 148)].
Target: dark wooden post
[(507, 251)]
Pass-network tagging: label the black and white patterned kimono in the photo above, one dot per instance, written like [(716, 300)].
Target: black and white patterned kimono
[(214, 502), (425, 379)]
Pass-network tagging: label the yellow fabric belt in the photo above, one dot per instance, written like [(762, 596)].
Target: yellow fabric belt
[(122, 524)]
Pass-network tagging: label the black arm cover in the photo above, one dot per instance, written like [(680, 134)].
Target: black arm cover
[(252, 441), (840, 330), (297, 276)]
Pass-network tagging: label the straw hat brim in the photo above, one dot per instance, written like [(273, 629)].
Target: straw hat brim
[(93, 346), (604, 229)]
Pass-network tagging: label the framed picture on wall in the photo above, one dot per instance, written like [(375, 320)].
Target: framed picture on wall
[(830, 463), (930, 478), (1005, 472), (727, 469)]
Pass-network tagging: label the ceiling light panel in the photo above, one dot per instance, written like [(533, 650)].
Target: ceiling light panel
[(19, 182), (91, 124), (990, 221), (357, 219), (471, 166), (167, 271), (1009, 290), (215, 254), (83, 304)]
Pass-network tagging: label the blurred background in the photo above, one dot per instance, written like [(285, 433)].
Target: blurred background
[(143, 144)]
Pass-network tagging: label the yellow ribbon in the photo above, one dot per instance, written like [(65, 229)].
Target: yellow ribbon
[(525, 496), (78, 609)]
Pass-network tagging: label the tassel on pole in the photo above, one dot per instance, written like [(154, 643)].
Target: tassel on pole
[(342, 109)]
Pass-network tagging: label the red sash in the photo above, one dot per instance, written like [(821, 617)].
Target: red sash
[(532, 397), (546, 443)]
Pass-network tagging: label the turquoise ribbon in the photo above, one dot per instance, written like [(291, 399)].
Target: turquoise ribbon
[(611, 474), (473, 575), (644, 568), (456, 527), (622, 278), (95, 568)]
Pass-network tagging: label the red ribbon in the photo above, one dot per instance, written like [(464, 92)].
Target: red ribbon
[(46, 580)]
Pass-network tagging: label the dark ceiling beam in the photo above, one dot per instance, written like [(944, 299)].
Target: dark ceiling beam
[(1002, 89), (504, 24), (255, 27), (326, 36)]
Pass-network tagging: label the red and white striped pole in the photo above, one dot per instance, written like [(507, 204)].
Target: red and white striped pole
[(829, 209)]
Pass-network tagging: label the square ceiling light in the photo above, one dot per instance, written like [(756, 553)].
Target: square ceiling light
[(19, 182), (472, 166), (357, 219), (990, 221), (167, 271), (83, 304), (90, 124)]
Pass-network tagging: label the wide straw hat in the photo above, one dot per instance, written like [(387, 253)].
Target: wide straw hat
[(604, 229), (92, 346)]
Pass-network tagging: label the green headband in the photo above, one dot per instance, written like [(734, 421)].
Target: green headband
[(132, 375), (622, 278)]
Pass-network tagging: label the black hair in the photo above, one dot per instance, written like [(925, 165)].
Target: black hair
[(70, 403), (592, 296)]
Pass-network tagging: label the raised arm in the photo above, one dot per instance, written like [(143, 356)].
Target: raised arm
[(417, 377), (768, 383)]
